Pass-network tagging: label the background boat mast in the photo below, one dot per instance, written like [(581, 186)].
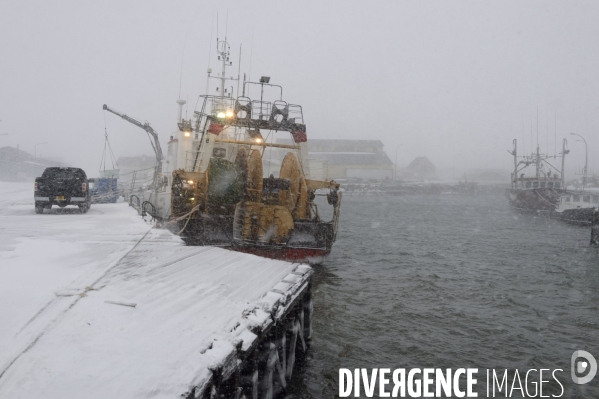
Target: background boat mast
[(564, 152)]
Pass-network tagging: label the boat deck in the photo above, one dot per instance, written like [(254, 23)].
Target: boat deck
[(103, 305)]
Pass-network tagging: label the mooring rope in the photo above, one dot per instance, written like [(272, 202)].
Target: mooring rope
[(544, 199)]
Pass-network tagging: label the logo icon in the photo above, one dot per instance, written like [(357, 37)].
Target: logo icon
[(583, 362)]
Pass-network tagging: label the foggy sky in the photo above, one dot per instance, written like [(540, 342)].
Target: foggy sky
[(456, 81)]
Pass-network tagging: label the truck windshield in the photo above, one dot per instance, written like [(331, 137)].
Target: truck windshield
[(63, 173)]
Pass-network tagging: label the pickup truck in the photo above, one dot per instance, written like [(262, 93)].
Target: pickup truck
[(62, 187)]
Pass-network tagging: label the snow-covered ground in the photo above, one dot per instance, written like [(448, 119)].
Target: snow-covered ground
[(100, 305)]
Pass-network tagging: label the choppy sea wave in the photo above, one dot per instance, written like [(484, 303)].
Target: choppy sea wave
[(451, 282)]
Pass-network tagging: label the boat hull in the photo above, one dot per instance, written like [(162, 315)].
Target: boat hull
[(310, 242), (544, 203), (541, 201), (312, 256), (578, 217)]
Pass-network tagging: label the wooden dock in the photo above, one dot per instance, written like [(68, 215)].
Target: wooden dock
[(102, 305)]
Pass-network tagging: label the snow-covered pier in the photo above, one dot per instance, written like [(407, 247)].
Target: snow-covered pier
[(101, 305)]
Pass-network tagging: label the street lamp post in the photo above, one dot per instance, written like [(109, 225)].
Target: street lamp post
[(586, 159), (395, 164), (35, 148)]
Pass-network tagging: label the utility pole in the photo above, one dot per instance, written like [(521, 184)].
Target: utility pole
[(586, 159)]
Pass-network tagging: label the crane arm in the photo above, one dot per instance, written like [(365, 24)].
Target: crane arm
[(145, 126)]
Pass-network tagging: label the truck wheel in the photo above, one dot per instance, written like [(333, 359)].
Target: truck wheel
[(39, 209), (83, 208)]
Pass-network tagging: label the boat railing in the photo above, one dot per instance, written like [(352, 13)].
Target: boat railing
[(532, 184), (246, 111), (221, 104)]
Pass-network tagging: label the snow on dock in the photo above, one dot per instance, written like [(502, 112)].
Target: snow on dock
[(102, 305)]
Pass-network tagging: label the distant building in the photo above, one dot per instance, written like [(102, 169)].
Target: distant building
[(18, 165), (343, 159), (421, 168)]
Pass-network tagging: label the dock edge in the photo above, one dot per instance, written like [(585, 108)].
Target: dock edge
[(256, 355)]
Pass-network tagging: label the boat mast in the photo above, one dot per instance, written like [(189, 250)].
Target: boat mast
[(181, 104), (538, 161), (223, 52), (515, 154), (220, 105), (564, 152)]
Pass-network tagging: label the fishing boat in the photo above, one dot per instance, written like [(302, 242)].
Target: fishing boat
[(538, 192), (578, 208), (212, 187)]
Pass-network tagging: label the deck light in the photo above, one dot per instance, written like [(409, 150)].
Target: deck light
[(256, 135), (189, 181), (186, 129), (220, 114), (229, 113)]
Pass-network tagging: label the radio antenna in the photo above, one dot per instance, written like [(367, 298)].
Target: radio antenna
[(251, 54), (239, 71), (182, 59), (209, 58), (210, 47), (537, 128), (547, 126), (532, 142), (226, 24), (555, 130)]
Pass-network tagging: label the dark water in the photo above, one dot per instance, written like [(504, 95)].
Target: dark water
[(451, 282)]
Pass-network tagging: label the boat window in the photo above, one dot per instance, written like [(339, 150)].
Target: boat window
[(577, 198), (567, 199), (557, 184), (543, 184), (536, 184), (550, 184), (586, 198), (528, 184), (596, 198)]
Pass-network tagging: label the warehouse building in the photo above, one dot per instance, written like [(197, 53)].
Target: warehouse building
[(346, 159)]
